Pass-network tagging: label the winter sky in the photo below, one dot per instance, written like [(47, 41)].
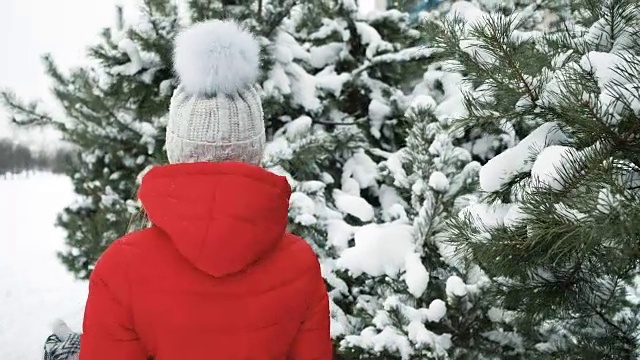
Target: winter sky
[(64, 28), (31, 28)]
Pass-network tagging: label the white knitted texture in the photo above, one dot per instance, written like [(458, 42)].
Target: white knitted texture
[(221, 128)]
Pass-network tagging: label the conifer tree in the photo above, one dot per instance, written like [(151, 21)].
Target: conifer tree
[(554, 227), (114, 111), (116, 107), (377, 171)]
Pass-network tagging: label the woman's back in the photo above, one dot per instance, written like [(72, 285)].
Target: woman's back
[(216, 277)]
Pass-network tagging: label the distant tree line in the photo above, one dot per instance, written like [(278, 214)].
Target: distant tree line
[(16, 158)]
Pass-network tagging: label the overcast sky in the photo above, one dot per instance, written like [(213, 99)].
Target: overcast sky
[(64, 28), (31, 28)]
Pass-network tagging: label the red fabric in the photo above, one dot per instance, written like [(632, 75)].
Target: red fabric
[(216, 277)]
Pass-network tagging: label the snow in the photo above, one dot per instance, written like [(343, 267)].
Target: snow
[(416, 276), (351, 186), (303, 208), (633, 291), (419, 334), (607, 201), (471, 16), (618, 86), (545, 170), (438, 181), (380, 249), (487, 215), (467, 11), (388, 338), (504, 167), (353, 205), (456, 286), (298, 127), (370, 37), (361, 168), (394, 164), (436, 311), (166, 87), (328, 80), (421, 101), (135, 61), (378, 112), (603, 66), (287, 77), (392, 203), (339, 233), (571, 215), (35, 288), (326, 54), (514, 216)]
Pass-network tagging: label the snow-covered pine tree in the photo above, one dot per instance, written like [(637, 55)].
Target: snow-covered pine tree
[(555, 227), (414, 299), (364, 64), (373, 189), (115, 111), (351, 102), (474, 36)]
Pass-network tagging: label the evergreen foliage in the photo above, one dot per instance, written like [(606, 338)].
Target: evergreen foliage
[(554, 224), (116, 108), (377, 171)]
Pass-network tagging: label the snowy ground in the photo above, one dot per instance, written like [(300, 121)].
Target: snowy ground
[(35, 288)]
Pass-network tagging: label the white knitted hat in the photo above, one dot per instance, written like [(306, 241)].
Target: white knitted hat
[(216, 113)]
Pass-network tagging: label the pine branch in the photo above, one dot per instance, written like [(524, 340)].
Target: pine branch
[(418, 53), (628, 341), (27, 114), (492, 31), (334, 123), (279, 17)]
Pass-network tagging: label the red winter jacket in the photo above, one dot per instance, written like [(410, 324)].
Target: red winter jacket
[(215, 277)]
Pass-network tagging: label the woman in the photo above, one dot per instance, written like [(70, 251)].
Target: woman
[(216, 276)]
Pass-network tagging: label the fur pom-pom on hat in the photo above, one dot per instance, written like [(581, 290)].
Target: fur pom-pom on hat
[(216, 112), (216, 56)]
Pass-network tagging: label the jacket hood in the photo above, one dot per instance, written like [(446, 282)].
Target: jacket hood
[(222, 217)]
